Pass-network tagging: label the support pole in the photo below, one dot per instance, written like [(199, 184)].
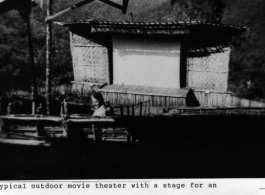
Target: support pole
[(121, 110), (141, 108), (33, 70), (41, 3), (122, 7), (48, 57), (33, 110), (51, 17), (132, 110), (34, 90)]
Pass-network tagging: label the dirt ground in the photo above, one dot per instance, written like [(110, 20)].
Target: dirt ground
[(108, 160)]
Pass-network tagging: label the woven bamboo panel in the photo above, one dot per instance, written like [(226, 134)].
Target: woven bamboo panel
[(90, 61), (79, 40), (208, 73), (208, 80), (214, 99), (224, 100)]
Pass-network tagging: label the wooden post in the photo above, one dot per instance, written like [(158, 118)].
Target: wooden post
[(85, 109), (9, 108), (133, 110), (82, 90), (48, 56), (1, 102), (93, 130), (40, 109), (40, 129), (62, 109), (66, 108), (33, 103), (4, 127), (65, 130), (96, 133), (33, 71), (128, 137), (149, 104), (121, 110), (41, 3), (141, 108), (128, 110)]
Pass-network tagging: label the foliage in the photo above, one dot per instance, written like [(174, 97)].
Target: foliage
[(199, 10), (13, 57), (247, 63)]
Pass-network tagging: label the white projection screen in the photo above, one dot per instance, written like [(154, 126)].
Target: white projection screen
[(146, 61)]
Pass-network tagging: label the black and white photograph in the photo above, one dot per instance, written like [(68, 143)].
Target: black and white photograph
[(132, 89)]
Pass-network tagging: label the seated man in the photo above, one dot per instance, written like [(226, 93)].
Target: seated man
[(100, 108)]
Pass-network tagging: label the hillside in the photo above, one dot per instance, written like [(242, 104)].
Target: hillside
[(247, 63)]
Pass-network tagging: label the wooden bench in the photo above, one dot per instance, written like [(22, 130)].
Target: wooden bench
[(100, 126), (38, 121)]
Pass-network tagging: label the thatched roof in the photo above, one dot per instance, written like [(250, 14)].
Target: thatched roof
[(198, 35)]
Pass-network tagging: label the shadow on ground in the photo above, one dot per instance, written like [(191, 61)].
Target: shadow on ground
[(198, 147)]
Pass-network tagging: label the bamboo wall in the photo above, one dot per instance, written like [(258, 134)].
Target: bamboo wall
[(211, 99), (90, 60), (224, 99), (116, 99), (209, 72)]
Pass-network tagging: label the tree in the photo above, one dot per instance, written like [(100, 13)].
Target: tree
[(247, 62), (199, 10)]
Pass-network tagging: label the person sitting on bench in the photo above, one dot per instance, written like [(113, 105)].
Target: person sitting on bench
[(100, 108)]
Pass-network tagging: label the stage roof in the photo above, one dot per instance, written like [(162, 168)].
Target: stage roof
[(198, 35)]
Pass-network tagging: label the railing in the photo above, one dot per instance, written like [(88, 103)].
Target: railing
[(134, 109), (77, 108), (27, 106), (219, 111), (141, 108), (224, 99)]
